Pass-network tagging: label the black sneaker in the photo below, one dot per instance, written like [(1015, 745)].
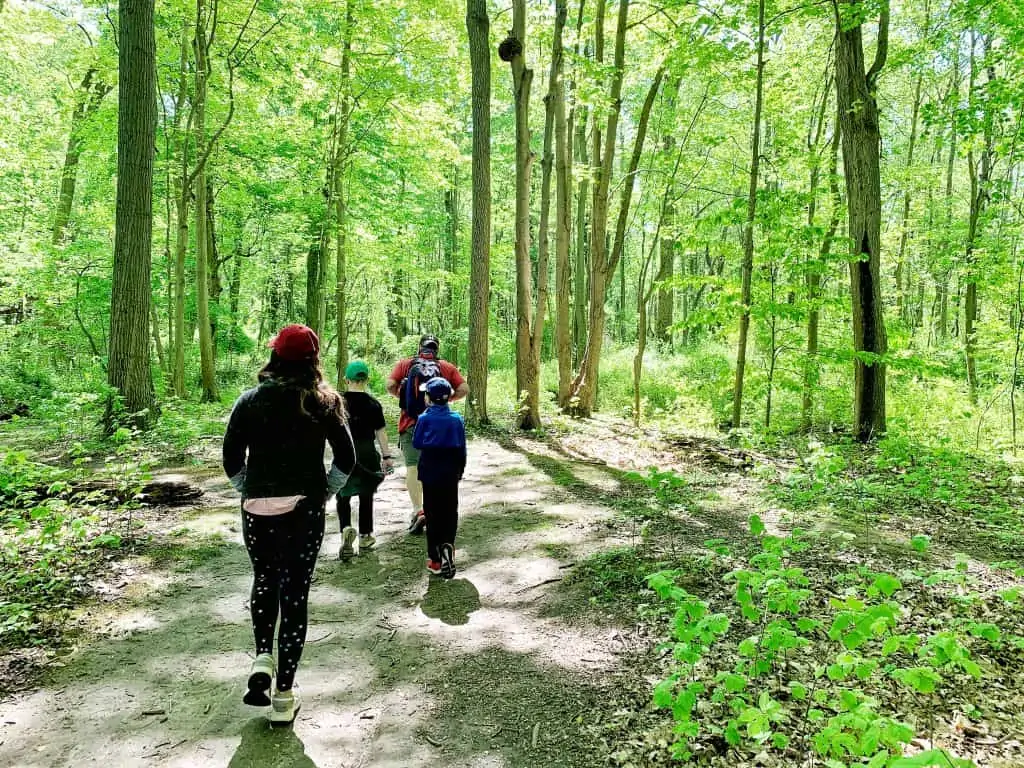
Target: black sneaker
[(418, 524), (447, 555)]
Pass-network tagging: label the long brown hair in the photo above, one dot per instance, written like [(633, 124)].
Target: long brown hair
[(316, 398)]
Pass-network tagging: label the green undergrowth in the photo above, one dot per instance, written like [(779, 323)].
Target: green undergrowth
[(59, 523), (820, 647), (908, 489)]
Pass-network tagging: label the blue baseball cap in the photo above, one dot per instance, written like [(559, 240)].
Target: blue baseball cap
[(437, 388)]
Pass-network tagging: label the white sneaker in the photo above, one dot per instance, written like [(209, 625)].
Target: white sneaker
[(367, 542), (285, 707), (261, 676), (348, 537)]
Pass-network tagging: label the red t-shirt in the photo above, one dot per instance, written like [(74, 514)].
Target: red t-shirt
[(401, 370)]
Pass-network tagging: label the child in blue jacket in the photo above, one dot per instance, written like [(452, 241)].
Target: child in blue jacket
[(441, 438)]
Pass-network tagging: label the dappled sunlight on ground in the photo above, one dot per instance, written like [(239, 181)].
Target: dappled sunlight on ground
[(384, 676)]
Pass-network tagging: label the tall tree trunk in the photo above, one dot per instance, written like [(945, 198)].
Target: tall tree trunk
[(981, 178), (667, 247), (213, 265), (478, 29), (513, 50), (815, 270), (128, 368), (88, 99), (602, 266), (182, 194), (340, 201), (905, 216), (202, 71), (581, 269), (748, 231), (563, 213), (855, 88)]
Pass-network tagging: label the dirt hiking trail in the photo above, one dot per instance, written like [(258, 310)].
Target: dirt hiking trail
[(399, 671)]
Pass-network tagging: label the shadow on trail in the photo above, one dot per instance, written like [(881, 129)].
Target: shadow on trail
[(450, 601), (264, 746)]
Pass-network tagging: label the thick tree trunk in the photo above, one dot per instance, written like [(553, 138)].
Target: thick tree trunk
[(128, 368), (478, 29), (90, 94), (748, 231), (855, 88), (202, 71)]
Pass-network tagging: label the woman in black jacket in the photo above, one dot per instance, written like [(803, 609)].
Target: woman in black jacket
[(274, 456)]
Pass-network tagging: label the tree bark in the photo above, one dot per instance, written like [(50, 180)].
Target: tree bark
[(855, 88), (128, 369), (478, 29), (748, 231)]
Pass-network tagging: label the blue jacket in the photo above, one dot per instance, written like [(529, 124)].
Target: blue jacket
[(440, 437)]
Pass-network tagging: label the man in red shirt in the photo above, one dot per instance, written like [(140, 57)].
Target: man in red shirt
[(428, 351)]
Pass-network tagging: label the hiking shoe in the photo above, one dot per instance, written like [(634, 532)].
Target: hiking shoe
[(367, 542), (260, 676), (348, 537), (434, 567), (418, 524), (447, 555), (285, 707)]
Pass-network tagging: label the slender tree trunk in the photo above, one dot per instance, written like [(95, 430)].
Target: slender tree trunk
[(202, 43), (513, 50), (981, 178), (563, 215), (861, 139), (90, 94), (183, 193), (128, 368), (748, 231), (340, 201), (478, 29), (581, 270), (667, 246), (905, 217), (813, 281)]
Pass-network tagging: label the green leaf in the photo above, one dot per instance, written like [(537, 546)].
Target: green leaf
[(756, 525), (798, 691), (887, 584)]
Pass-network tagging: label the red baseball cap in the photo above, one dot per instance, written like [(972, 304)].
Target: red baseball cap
[(295, 342)]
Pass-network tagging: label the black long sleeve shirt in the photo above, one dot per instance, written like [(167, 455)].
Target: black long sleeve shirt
[(275, 450)]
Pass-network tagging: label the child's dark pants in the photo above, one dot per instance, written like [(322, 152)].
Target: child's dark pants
[(441, 506)]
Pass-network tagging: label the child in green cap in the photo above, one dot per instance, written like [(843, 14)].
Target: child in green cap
[(366, 421)]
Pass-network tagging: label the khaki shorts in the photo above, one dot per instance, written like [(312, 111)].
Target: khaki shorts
[(410, 454)]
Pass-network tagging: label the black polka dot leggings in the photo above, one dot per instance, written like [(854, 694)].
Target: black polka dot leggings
[(283, 551)]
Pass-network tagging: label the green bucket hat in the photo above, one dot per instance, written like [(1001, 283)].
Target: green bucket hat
[(357, 370)]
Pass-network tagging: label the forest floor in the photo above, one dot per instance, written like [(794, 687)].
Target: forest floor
[(532, 656)]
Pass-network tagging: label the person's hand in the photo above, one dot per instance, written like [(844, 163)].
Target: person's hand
[(389, 465)]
